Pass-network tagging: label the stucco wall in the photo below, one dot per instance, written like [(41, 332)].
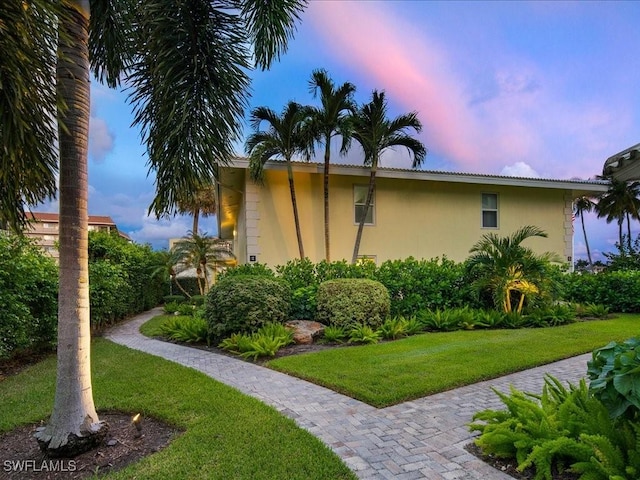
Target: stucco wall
[(423, 219)]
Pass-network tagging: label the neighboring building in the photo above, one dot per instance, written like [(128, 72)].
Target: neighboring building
[(44, 227), (624, 166), (423, 214)]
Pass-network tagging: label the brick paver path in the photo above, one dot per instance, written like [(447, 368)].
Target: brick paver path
[(419, 439)]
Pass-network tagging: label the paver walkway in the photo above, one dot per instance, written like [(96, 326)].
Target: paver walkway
[(419, 439)]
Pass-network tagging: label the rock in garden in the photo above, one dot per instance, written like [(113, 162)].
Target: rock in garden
[(305, 331)]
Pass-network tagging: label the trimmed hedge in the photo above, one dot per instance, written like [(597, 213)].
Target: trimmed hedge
[(618, 290), (244, 303), (347, 302)]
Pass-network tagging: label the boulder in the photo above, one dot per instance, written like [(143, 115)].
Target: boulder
[(305, 331)]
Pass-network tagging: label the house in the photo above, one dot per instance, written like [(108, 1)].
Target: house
[(418, 213), (623, 166), (44, 228)]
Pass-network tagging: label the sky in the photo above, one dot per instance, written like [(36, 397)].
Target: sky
[(534, 89)]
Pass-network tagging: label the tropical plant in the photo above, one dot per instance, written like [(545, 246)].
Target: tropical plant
[(329, 120), (334, 334), (618, 203), (438, 320), (200, 202), (376, 133), (614, 374), (185, 328), (502, 267), (165, 267), (582, 205), (393, 328), (285, 136), (361, 333), (265, 342), (186, 66), (205, 254)]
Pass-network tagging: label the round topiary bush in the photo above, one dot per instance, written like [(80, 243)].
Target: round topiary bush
[(244, 303), (347, 301)]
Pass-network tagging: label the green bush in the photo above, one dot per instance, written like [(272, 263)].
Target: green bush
[(334, 334), (174, 299), (258, 269), (348, 302), (110, 293), (244, 303), (416, 285), (617, 290), (363, 334), (28, 296), (303, 303), (266, 342), (197, 300), (393, 328), (185, 328)]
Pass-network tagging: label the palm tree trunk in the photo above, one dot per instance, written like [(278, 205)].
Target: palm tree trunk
[(629, 231), (367, 204), (327, 156), (175, 279), (294, 204), (586, 241), (196, 220), (74, 425)]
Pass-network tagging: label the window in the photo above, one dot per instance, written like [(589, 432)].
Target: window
[(489, 210), (359, 200)]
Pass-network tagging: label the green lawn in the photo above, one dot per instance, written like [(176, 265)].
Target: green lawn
[(393, 372), (228, 435)]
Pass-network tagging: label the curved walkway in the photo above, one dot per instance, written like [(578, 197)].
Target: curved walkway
[(418, 439)]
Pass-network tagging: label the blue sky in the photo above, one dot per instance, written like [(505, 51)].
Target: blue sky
[(542, 89)]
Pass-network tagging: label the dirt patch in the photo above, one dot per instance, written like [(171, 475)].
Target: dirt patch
[(21, 458), (509, 466)]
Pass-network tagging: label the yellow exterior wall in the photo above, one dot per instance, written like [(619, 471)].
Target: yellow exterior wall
[(418, 218)]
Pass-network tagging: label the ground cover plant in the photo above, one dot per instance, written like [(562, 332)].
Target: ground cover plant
[(391, 372), (226, 434)]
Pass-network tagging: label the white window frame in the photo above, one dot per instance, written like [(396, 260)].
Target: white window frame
[(496, 210), (372, 207)]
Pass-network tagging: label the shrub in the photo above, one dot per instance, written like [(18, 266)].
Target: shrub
[(439, 320), (171, 307), (347, 302), (416, 285), (551, 316), (174, 299), (618, 290), (197, 300), (110, 293), (303, 303), (186, 309), (257, 269), (28, 296), (270, 338), (489, 319), (244, 303)]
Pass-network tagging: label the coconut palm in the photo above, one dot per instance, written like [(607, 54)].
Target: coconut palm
[(186, 69), (204, 254), (201, 202), (620, 202), (376, 133), (502, 266), (329, 120), (285, 136), (581, 206), (165, 267)]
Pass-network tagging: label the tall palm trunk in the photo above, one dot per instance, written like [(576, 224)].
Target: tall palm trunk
[(367, 204), (196, 220), (294, 204), (74, 426), (586, 241), (327, 156)]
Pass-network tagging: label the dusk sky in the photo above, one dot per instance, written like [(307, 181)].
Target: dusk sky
[(536, 89)]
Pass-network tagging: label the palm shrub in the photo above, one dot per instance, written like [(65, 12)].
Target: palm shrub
[(185, 328), (361, 333), (334, 334), (393, 328), (551, 316), (347, 302), (244, 303), (438, 320), (269, 338)]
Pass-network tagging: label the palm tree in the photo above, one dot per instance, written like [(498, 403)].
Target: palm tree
[(375, 133), (165, 268), (331, 119), (186, 67), (286, 137), (203, 253), (503, 266), (621, 202), (581, 206), (201, 202)]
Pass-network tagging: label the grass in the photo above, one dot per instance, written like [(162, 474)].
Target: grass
[(388, 373), (228, 435), (151, 328)]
